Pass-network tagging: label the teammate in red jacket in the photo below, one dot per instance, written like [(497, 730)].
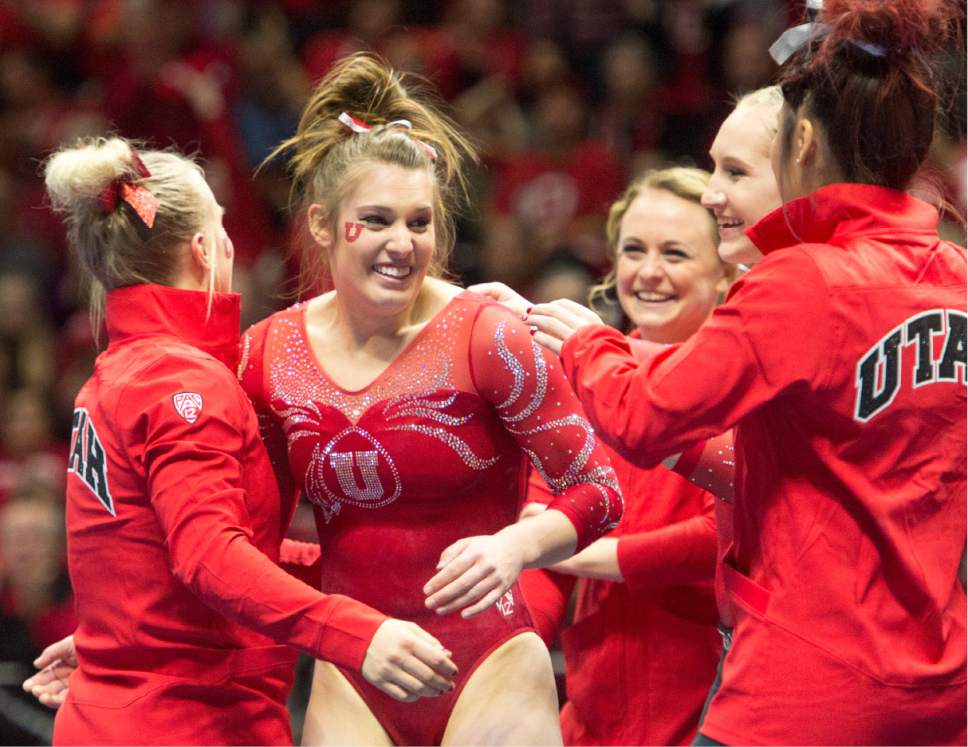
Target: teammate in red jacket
[(840, 358), (642, 651), (174, 520)]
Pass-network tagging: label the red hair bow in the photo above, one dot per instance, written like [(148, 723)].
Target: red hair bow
[(144, 204)]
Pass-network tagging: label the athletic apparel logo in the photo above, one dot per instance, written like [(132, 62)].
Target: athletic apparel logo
[(188, 405), (878, 373), (505, 605), (86, 458)]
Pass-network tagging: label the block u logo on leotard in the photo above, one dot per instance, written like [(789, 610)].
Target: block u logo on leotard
[(366, 462), (364, 477)]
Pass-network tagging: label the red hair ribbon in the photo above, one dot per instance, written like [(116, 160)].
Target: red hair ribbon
[(360, 127), (144, 204)]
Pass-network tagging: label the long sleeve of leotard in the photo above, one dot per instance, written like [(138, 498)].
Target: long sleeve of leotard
[(758, 345), (710, 464), (538, 408), (193, 480)]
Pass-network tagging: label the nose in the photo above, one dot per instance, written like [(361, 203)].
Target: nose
[(400, 240), (712, 197), (650, 268)]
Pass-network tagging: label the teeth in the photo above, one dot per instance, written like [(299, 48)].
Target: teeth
[(652, 297), (729, 223), (392, 271)]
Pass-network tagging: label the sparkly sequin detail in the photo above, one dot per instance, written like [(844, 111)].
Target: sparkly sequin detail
[(244, 358), (345, 464), (602, 478), (517, 372), (423, 391), (426, 407)]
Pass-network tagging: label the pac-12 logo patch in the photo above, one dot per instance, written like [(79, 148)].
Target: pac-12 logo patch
[(188, 405)]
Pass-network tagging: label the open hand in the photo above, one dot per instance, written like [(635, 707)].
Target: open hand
[(56, 663), (473, 574)]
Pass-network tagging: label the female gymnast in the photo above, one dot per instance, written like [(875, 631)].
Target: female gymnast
[(641, 653), (840, 360), (405, 408), (173, 516)]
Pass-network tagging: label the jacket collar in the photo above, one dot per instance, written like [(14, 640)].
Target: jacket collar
[(840, 210), (153, 310)]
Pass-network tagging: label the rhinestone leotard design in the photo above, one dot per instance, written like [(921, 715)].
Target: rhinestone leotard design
[(433, 450)]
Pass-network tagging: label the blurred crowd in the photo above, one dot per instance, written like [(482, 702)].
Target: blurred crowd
[(566, 99)]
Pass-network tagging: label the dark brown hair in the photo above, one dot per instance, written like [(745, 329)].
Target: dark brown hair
[(869, 81)]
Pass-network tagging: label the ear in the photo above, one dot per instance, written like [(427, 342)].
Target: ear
[(317, 225), (201, 262), (806, 145)]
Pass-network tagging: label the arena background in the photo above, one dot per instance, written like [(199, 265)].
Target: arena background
[(566, 98)]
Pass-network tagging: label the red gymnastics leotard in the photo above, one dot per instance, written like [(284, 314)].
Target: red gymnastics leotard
[(431, 451)]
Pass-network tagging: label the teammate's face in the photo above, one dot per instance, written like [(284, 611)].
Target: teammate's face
[(384, 238), (742, 188), (668, 274)]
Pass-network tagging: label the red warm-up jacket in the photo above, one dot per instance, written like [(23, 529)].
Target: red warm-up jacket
[(641, 654), (840, 359), (174, 524)]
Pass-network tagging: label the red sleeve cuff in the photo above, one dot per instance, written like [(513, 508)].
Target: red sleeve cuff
[(680, 553), (348, 632)]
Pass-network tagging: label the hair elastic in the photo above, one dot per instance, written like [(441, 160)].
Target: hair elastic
[(144, 204), (361, 128)]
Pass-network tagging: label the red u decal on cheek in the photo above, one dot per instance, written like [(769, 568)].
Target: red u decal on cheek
[(352, 231)]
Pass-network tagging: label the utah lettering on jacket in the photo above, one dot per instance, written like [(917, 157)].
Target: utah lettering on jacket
[(879, 372)]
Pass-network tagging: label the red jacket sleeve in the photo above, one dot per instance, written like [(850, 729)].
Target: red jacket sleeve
[(679, 553), (538, 408), (761, 343), (194, 482), (546, 593)]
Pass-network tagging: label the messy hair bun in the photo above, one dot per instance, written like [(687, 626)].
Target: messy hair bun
[(114, 247), (324, 153), (869, 79)]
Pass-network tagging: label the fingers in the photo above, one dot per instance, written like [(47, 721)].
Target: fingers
[(578, 311), (443, 600), (396, 692), (486, 602), (452, 552), (55, 651), (503, 294), (427, 676), (548, 342), (437, 659), (428, 639), (449, 570), (487, 584)]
